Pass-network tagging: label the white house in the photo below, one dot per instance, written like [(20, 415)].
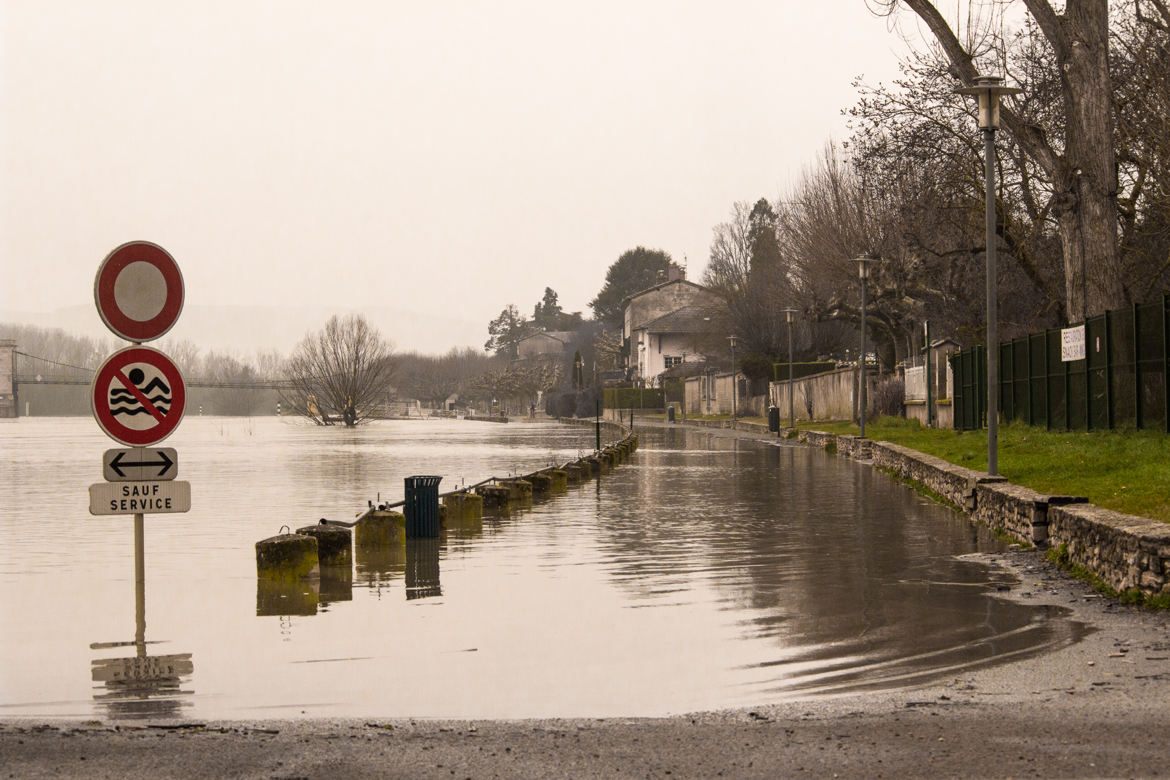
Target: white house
[(665, 325)]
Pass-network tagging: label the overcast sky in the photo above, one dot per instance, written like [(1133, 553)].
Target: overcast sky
[(439, 159)]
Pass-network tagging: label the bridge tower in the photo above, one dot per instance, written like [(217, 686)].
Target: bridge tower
[(7, 378)]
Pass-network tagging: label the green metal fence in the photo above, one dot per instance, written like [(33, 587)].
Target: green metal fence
[(1120, 382)]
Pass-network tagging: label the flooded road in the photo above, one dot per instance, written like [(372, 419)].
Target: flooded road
[(708, 572)]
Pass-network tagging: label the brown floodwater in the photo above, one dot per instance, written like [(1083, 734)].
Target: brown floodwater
[(709, 572)]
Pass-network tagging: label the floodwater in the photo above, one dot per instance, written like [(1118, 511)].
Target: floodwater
[(708, 572)]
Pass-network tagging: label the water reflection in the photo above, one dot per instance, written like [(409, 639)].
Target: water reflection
[(377, 567), (278, 597), (143, 685), (422, 569), (336, 585), (851, 578)]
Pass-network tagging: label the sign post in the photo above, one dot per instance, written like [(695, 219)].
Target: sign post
[(138, 395)]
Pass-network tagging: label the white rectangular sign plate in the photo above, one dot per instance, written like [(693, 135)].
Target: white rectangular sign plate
[(129, 498), (1072, 344), (140, 464)]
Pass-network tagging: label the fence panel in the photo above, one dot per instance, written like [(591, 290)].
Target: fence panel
[(1037, 379), (1122, 370), (1055, 381), (969, 368), (1150, 391), (1121, 381)]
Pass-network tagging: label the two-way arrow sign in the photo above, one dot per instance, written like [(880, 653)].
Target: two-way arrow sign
[(140, 464)]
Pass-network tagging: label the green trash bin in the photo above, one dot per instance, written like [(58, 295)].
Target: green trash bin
[(422, 507)]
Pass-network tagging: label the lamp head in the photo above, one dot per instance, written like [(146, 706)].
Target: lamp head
[(863, 264), (988, 90)]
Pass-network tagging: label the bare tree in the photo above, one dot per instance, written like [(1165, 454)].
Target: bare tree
[(341, 373), (1077, 156)]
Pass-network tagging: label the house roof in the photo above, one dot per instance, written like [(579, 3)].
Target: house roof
[(562, 336), (659, 286), (688, 319)]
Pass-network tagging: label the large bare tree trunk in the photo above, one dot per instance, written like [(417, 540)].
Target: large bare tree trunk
[(1088, 224), (1084, 175)]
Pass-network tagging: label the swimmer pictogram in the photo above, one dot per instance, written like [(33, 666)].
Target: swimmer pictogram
[(138, 396)]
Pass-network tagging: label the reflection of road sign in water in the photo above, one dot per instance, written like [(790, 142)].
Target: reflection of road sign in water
[(138, 396), (139, 291)]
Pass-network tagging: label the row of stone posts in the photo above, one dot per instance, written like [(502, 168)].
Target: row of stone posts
[(305, 553)]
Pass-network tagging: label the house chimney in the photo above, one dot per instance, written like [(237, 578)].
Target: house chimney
[(675, 272)]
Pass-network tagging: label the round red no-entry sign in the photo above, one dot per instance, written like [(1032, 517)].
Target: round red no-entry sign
[(138, 396), (139, 291)]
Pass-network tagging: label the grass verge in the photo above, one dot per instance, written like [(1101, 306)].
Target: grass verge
[(1119, 470)]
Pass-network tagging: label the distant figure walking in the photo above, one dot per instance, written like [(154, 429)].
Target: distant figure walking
[(532, 411)]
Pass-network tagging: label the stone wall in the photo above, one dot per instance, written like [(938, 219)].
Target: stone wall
[(954, 483), (831, 395), (1125, 551)]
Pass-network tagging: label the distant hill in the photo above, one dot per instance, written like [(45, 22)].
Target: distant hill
[(244, 330)]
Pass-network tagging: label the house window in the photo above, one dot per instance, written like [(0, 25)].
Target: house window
[(671, 362)]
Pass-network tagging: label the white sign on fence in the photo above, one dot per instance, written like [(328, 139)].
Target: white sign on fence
[(1072, 343)]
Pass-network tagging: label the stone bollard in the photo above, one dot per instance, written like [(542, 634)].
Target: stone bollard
[(334, 546), (560, 479), (463, 507), (494, 496), (596, 466), (519, 490), (287, 556), (380, 528), (572, 474), (542, 483)]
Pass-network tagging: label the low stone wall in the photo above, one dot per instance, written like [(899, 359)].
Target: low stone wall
[(954, 483), (1125, 551)]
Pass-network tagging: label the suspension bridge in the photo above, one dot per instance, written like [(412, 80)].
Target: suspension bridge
[(37, 370)]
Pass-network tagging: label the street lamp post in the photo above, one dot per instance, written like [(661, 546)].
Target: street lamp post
[(731, 341), (642, 375), (989, 90), (863, 273), (791, 392)]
